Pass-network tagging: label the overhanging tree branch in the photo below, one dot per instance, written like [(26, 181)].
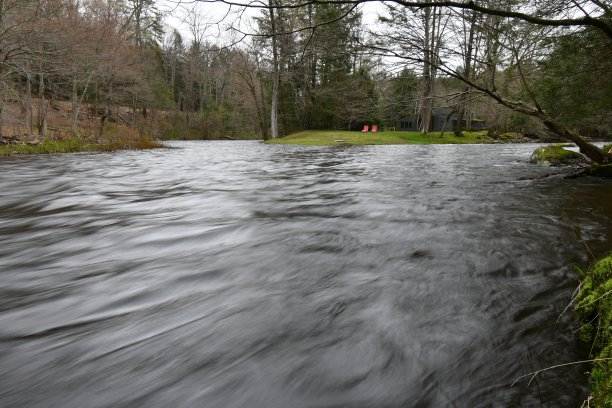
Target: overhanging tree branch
[(591, 151), (602, 22)]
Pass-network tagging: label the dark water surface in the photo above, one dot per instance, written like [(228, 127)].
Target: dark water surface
[(235, 274)]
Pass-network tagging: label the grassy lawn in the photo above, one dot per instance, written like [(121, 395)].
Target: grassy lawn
[(343, 137), (77, 145)]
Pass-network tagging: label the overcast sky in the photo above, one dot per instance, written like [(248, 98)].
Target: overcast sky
[(217, 18)]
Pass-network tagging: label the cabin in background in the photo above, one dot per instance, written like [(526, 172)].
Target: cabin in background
[(440, 117)]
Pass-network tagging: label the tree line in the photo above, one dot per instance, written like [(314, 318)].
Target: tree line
[(107, 62), (307, 65)]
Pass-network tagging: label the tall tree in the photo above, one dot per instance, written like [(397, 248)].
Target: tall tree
[(585, 100), (143, 22), (419, 34), (274, 35), (469, 45)]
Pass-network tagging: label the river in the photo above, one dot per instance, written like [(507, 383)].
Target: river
[(238, 274)]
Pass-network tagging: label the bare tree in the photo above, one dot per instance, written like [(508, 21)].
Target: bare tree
[(469, 47), (420, 32)]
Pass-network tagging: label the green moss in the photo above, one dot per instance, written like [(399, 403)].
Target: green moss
[(594, 309), (343, 137), (600, 170), (607, 147), (556, 155), (601, 379)]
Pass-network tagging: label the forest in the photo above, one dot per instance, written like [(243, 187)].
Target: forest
[(89, 68)]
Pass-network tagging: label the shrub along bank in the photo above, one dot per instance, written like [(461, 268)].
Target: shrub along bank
[(594, 309), (115, 138)]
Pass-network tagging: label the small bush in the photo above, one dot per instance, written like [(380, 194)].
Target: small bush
[(73, 145)]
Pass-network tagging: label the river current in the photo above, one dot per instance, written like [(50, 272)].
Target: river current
[(238, 274)]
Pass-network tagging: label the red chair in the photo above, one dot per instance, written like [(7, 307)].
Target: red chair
[(365, 129), (374, 128)]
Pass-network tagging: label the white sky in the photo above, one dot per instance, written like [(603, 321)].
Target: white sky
[(215, 15)]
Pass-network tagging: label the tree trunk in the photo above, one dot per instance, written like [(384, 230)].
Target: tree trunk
[(134, 110), (467, 69), (1, 119), (588, 149), (264, 114), (431, 46), (275, 75), (26, 106), (42, 107), (107, 107), (427, 88), (103, 120), (446, 122), (74, 116), (77, 102)]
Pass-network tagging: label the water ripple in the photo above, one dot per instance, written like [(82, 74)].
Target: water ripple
[(237, 274)]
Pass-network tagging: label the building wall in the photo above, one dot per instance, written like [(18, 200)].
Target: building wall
[(478, 125), (438, 123), (411, 123)]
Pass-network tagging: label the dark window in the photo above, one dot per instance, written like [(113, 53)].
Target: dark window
[(409, 124)]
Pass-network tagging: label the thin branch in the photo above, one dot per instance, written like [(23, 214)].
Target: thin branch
[(602, 296), (535, 373), (595, 22)]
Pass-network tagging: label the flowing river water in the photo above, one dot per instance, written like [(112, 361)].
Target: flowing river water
[(238, 274)]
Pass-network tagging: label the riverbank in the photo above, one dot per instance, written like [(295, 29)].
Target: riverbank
[(50, 146), (161, 124), (115, 137), (594, 309), (343, 137)]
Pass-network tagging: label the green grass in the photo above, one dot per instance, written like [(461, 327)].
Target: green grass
[(78, 145), (594, 308), (343, 137)]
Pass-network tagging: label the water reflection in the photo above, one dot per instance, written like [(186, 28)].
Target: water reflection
[(234, 274)]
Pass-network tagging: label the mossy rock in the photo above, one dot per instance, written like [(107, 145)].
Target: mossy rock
[(607, 148), (600, 170), (556, 155), (594, 308), (509, 137)]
